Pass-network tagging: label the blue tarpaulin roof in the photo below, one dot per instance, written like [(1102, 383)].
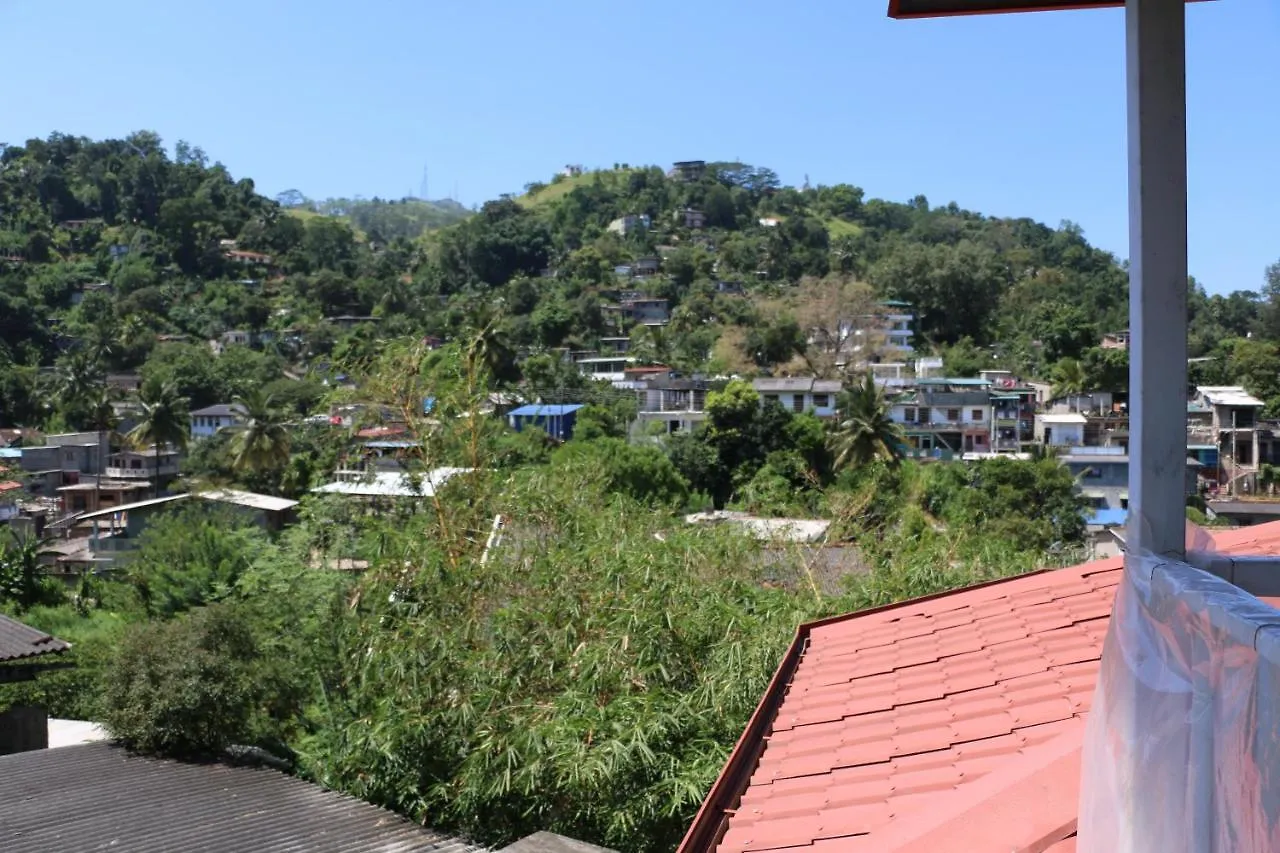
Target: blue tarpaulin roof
[(545, 409), (1108, 518)]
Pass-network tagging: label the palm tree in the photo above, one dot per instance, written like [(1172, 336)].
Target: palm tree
[(865, 432), (165, 421), (262, 442), (76, 381), (100, 414), (1069, 378)]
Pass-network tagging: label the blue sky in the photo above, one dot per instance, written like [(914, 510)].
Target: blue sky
[(1012, 115)]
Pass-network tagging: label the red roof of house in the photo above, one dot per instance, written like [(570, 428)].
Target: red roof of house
[(947, 723), (9, 485)]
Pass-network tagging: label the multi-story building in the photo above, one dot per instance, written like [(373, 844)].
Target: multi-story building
[(148, 464), (1227, 416), (800, 393), (945, 418), (1102, 475), (63, 459), (676, 404)]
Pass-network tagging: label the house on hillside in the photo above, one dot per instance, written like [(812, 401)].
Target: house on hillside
[(82, 290), (144, 463), (674, 404), (1115, 340), (956, 722), (688, 170), (1102, 475), (626, 225), (692, 218), (799, 393), (937, 420), (1061, 430), (1228, 416), (555, 419), (646, 266), (210, 420)]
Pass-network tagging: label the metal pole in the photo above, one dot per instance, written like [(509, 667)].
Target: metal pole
[(1156, 75)]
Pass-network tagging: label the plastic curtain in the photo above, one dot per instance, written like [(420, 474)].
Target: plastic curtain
[(1182, 745)]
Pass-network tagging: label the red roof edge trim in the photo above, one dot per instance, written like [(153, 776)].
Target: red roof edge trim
[(709, 825)]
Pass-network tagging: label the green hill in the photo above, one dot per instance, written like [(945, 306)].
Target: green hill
[(407, 218)]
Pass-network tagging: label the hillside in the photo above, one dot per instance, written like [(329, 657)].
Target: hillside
[(406, 218), (112, 245)]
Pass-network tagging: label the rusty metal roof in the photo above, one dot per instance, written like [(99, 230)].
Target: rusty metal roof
[(953, 722), (18, 641)]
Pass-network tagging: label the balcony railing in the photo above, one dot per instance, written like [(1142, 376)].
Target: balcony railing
[(146, 472)]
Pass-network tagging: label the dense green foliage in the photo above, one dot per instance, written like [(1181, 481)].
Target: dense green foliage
[(153, 228), (587, 670)]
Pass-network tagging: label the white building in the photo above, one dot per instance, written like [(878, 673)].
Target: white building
[(209, 420), (800, 394), (1061, 430)]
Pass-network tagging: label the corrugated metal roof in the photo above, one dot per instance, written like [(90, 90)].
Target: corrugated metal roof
[(796, 383), (920, 725), (148, 504), (392, 484), (537, 410), (98, 796), (18, 641), (221, 410), (252, 500)]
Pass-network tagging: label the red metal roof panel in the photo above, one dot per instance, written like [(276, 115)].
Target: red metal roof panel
[(883, 726)]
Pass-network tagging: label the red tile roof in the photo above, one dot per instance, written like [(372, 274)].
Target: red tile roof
[(9, 485), (953, 722)]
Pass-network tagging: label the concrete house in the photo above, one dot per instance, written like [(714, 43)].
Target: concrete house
[(629, 224), (800, 393), (208, 421), (677, 404), (1228, 416), (1102, 475), (948, 421), (1061, 430)]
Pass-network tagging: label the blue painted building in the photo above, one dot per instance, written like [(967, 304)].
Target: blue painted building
[(557, 420)]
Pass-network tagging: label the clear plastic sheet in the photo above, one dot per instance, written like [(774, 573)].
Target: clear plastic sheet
[(1182, 746)]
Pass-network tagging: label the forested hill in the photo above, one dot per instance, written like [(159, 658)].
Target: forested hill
[(112, 249), (378, 219)]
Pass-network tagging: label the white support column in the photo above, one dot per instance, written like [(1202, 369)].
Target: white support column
[(1156, 48)]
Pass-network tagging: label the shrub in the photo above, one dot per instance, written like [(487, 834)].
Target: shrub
[(187, 687)]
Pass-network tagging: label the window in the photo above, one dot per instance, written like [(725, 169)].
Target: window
[(797, 402), (909, 414), (977, 414), (771, 398), (953, 414), (1092, 473), (820, 401)]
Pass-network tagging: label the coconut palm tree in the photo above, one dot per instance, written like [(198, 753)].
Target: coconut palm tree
[(1069, 378), (165, 421), (261, 442), (99, 412), (865, 432)]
